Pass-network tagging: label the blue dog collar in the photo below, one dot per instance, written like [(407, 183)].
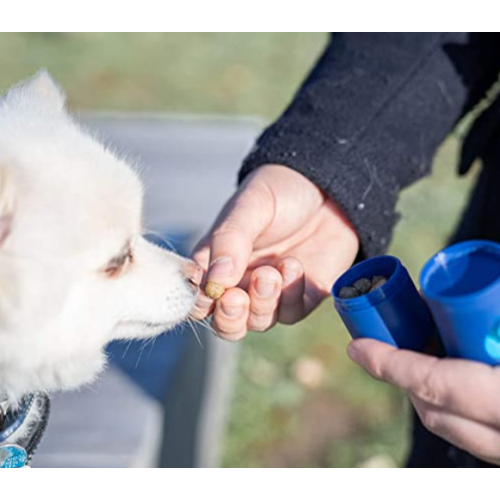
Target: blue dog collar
[(13, 419), (18, 454)]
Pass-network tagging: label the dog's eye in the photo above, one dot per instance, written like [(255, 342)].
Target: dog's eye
[(118, 264)]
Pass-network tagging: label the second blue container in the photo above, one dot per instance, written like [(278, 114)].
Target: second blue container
[(461, 285)]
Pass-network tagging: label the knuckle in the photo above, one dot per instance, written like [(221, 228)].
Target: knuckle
[(231, 337), (228, 329), (288, 319), (377, 369), (428, 389), (269, 275), (289, 314), (430, 420), (226, 326), (229, 228), (197, 315), (258, 323), (288, 302), (262, 309), (258, 328)]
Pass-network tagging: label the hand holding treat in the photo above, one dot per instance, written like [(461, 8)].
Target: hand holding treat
[(269, 255)]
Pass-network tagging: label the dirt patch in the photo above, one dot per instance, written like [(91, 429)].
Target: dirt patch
[(322, 420)]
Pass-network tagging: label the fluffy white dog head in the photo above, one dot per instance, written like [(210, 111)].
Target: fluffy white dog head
[(75, 272)]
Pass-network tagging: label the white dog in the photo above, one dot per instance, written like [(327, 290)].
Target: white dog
[(75, 272)]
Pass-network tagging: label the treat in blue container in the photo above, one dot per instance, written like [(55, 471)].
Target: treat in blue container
[(461, 285), (391, 310)]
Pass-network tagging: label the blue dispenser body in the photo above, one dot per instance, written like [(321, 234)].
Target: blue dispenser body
[(461, 285), (394, 313)]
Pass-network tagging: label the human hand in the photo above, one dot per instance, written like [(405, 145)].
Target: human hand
[(277, 247), (457, 400)]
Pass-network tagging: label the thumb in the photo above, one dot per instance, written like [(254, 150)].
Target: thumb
[(241, 222)]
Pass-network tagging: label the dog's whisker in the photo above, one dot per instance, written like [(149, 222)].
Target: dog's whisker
[(206, 324), (146, 343), (196, 333), (141, 350), (152, 346), (197, 309), (163, 238), (127, 348), (209, 328)]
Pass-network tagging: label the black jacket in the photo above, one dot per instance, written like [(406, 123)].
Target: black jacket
[(366, 124), (367, 121)]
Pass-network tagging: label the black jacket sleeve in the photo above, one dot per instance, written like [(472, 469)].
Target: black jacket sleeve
[(367, 121)]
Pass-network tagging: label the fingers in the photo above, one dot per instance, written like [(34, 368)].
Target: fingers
[(231, 314), (462, 387), (479, 439), (226, 251), (203, 308), (325, 256), (291, 307), (454, 399), (274, 294), (232, 240), (384, 362), (264, 290)]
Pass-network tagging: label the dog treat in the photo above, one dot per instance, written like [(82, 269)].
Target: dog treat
[(214, 290), (378, 281), (362, 285), (348, 292)]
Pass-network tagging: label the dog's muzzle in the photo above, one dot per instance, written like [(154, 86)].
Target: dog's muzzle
[(28, 421)]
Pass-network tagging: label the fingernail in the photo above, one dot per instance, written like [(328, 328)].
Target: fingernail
[(264, 288), (352, 352), (289, 275), (221, 268), (232, 311)]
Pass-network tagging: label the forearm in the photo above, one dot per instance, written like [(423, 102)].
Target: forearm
[(367, 121)]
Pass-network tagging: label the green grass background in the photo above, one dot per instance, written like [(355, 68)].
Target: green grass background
[(276, 419)]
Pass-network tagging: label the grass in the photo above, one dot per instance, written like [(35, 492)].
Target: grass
[(235, 73), (298, 400)]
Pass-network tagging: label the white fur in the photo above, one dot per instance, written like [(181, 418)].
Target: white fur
[(67, 206)]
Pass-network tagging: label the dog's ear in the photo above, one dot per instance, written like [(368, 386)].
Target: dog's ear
[(40, 92), (7, 203), (43, 86)]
